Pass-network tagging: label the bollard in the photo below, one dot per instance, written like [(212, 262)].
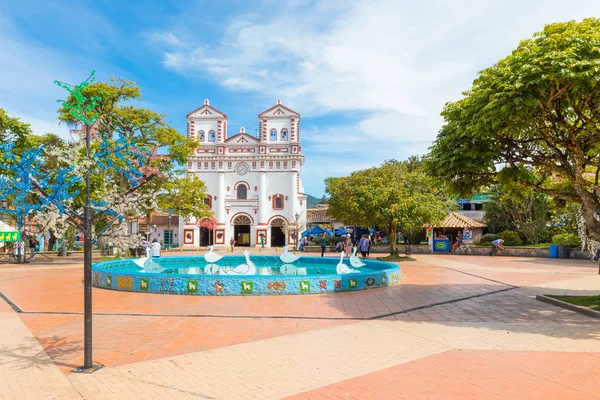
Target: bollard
[(260, 250), (181, 249), (197, 248), (276, 249), (166, 249)]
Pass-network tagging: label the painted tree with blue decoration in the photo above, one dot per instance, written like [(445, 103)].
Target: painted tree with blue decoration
[(99, 177)]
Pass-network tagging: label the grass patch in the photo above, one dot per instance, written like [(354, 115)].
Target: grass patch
[(592, 302), (395, 257)]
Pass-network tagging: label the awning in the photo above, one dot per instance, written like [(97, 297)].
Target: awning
[(316, 231)]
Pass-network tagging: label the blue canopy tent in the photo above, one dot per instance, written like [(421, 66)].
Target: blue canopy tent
[(316, 231), (341, 232)]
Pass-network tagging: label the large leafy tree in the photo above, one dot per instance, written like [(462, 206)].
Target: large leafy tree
[(397, 196), (532, 119)]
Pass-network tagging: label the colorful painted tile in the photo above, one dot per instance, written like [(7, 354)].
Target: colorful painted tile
[(167, 285), (125, 282), (247, 287), (305, 287), (352, 283), (323, 285), (109, 281), (337, 284), (192, 286), (144, 284), (383, 280)]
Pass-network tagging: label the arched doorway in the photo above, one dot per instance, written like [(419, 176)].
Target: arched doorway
[(205, 237), (277, 233), (241, 230)]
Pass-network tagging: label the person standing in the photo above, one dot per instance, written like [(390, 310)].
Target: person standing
[(348, 245), (262, 241), (302, 243), (364, 245), (231, 243), (323, 245), (32, 244), (155, 248)]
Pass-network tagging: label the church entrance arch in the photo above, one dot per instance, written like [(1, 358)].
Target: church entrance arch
[(277, 233), (205, 237), (241, 230)]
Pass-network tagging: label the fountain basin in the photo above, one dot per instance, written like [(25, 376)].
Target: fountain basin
[(185, 275)]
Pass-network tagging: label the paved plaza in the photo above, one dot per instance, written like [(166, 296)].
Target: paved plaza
[(455, 327)]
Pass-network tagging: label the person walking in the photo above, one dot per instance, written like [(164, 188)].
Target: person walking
[(496, 246), (262, 241), (302, 243), (231, 243), (323, 245)]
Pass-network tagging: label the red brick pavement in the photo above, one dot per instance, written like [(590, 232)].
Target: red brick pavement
[(477, 374), (125, 339)]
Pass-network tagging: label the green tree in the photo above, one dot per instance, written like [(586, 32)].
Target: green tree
[(391, 196), (186, 196), (532, 118)]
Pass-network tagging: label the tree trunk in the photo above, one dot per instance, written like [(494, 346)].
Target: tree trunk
[(393, 240)]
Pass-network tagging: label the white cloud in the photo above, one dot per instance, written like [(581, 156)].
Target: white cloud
[(27, 90), (393, 64)]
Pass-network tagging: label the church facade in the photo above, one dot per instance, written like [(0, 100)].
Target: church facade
[(254, 186)]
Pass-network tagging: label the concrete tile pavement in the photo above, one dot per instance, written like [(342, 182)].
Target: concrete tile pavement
[(26, 371)]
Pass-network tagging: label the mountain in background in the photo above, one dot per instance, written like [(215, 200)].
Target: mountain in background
[(312, 201)]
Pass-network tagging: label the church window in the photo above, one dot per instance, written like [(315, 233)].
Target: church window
[(211, 136), (284, 135), (273, 134), (242, 192), (201, 136), (278, 202), (208, 201)]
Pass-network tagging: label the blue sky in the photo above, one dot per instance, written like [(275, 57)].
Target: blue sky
[(368, 77)]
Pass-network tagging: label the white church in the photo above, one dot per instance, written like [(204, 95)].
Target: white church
[(254, 185)]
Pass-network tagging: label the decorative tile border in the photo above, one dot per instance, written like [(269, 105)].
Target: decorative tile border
[(107, 275)]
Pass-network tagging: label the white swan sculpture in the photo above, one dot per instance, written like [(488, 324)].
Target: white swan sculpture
[(288, 258), (343, 268), (249, 268), (354, 260), (148, 265), (211, 256)]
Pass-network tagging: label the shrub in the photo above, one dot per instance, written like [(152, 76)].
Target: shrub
[(566, 239), (488, 238), (485, 243), (511, 238)]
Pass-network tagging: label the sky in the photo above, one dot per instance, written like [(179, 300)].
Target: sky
[(369, 78)]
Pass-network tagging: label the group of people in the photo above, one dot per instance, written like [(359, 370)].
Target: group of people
[(363, 243)]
